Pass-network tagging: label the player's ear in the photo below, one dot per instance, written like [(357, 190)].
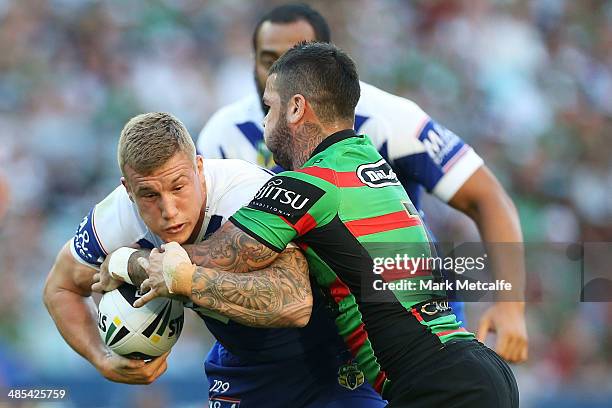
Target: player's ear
[(199, 163), (200, 168), (296, 108), (127, 188)]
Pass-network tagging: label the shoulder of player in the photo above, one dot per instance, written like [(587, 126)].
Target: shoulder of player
[(320, 176), (117, 200), (227, 174), (118, 206), (112, 223), (243, 110), (234, 167), (374, 102)]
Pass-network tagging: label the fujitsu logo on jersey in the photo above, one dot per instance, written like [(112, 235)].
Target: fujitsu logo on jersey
[(273, 191), (377, 174), (286, 196)]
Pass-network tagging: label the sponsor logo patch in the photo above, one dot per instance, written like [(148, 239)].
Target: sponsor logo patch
[(286, 196), (440, 143), (377, 174)]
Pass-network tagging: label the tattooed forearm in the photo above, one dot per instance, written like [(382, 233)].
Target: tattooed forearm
[(231, 249), (135, 271), (276, 296)]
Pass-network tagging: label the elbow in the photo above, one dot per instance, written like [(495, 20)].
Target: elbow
[(47, 297), (299, 316), (47, 294), (296, 316)]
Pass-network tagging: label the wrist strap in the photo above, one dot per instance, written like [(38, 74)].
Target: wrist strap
[(118, 264)]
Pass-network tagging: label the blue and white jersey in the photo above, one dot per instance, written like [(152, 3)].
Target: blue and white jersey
[(114, 222), (421, 152)]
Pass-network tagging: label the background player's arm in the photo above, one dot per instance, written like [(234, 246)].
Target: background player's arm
[(67, 298), (484, 200)]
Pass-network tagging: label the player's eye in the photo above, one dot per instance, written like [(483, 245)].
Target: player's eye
[(178, 188)]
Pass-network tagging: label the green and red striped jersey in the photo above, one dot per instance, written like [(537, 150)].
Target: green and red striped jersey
[(345, 207)]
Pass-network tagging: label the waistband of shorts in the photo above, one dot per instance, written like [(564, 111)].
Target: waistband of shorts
[(222, 355)]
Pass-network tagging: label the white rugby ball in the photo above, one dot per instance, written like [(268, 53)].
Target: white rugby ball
[(139, 333)]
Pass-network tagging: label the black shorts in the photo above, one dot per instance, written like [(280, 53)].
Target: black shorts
[(467, 374)]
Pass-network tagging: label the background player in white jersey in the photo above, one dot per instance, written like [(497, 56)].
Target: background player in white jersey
[(421, 152), (170, 194)]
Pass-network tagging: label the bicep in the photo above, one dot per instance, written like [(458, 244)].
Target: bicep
[(69, 274)]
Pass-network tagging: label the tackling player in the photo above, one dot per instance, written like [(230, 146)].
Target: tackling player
[(341, 199), (170, 194), (422, 153)]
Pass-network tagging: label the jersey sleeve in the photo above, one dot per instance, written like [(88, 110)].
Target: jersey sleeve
[(420, 149), (287, 207), (109, 225)]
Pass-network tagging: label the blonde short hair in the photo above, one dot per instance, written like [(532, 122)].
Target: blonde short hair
[(149, 140)]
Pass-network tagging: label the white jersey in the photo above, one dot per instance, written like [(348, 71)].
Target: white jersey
[(420, 151), (114, 222)]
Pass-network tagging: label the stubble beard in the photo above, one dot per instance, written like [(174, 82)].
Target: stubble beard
[(279, 143), (292, 151)]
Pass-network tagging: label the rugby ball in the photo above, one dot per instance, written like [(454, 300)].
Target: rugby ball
[(139, 333)]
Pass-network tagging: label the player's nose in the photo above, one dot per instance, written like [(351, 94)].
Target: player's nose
[(168, 208)]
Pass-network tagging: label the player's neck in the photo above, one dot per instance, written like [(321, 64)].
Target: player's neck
[(198, 227), (310, 135), (307, 138)]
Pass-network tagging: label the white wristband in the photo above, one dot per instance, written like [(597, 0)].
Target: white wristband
[(118, 264)]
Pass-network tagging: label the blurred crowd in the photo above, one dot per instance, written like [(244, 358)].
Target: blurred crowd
[(527, 83)]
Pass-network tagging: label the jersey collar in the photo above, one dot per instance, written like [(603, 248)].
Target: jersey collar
[(332, 139)]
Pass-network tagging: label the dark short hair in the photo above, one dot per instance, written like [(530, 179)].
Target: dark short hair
[(324, 74), (290, 13)]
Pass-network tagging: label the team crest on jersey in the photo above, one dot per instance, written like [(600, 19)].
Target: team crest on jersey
[(377, 174), (350, 376), (286, 196)]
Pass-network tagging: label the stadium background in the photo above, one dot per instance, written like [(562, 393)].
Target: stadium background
[(528, 84)]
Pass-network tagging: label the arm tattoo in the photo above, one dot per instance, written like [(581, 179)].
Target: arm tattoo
[(136, 273), (276, 296), (231, 249)]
